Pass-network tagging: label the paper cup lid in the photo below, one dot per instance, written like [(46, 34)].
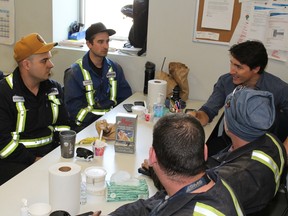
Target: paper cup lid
[(95, 172), (138, 108)]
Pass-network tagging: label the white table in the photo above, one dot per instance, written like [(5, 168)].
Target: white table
[(32, 183)]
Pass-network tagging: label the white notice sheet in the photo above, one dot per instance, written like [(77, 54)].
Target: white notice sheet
[(7, 22), (217, 14)]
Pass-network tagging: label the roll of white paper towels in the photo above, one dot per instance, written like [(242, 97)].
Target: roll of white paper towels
[(64, 187), (156, 88)]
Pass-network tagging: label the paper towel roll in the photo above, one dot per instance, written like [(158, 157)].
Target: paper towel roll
[(156, 87), (64, 187)]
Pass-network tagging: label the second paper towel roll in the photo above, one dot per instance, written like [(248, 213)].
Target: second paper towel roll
[(156, 87), (64, 187)]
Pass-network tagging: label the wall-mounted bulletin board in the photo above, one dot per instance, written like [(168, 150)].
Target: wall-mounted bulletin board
[(214, 35)]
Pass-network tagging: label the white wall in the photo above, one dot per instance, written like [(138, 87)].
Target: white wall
[(30, 16), (170, 31)]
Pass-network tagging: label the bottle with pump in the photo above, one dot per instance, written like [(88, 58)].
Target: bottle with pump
[(24, 208), (158, 107), (175, 100)]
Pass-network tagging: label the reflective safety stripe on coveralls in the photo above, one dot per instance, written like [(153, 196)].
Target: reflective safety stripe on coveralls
[(21, 120), (204, 209), (88, 84), (268, 161)]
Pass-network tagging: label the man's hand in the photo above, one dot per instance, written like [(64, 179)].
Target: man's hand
[(37, 158), (200, 115), (286, 145), (97, 213), (145, 164), (109, 129)]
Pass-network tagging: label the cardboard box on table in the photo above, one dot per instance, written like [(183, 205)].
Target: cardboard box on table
[(126, 126)]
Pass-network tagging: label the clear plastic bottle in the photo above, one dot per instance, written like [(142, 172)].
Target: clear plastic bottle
[(83, 193), (24, 208), (158, 107)]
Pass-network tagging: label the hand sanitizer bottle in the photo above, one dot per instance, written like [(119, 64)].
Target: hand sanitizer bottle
[(24, 208), (158, 107)]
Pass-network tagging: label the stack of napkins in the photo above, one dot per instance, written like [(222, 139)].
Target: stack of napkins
[(130, 190), (72, 43)]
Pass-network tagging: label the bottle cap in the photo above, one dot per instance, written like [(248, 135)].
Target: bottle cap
[(150, 65), (176, 93), (176, 89)]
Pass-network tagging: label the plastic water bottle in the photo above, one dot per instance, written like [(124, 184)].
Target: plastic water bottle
[(158, 107), (83, 193)]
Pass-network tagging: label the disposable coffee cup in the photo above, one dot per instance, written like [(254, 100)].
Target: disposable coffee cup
[(99, 147), (95, 180), (99, 151), (39, 209), (139, 110), (67, 143)]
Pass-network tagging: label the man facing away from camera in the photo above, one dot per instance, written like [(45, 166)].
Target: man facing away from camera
[(254, 163), (178, 155)]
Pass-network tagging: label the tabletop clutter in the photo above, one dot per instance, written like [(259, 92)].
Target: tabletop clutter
[(165, 94), (69, 187), (67, 182)]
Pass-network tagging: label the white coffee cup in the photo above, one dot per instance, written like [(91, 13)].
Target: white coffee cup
[(139, 110), (39, 209), (95, 180)]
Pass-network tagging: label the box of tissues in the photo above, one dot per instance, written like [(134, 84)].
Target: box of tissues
[(125, 188)]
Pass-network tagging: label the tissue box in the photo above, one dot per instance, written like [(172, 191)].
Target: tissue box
[(126, 125), (122, 192)]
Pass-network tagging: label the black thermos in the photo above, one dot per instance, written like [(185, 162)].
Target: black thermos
[(149, 74)]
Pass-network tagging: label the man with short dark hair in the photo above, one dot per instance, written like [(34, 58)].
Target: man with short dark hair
[(94, 84), (178, 156), (248, 61)]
